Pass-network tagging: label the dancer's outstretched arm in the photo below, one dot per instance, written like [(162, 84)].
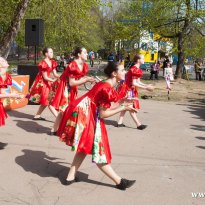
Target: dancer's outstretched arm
[(105, 113), (138, 83), (74, 82)]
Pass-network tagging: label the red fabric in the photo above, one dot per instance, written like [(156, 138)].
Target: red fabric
[(122, 90), (3, 115), (102, 94), (59, 86), (133, 73), (107, 96), (44, 67), (74, 71), (4, 84), (40, 86)]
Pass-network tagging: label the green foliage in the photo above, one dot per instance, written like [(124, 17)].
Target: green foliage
[(195, 46), (170, 18), (68, 23), (166, 18), (97, 24), (6, 13)]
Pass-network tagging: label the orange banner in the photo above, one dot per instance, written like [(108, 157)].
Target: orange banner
[(20, 84)]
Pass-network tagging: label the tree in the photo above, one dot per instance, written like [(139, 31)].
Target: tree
[(195, 46), (13, 28), (67, 23), (118, 24), (178, 20)]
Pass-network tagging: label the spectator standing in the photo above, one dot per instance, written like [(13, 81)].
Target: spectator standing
[(155, 70), (91, 57), (63, 62), (70, 58), (165, 62), (111, 57), (169, 76), (118, 56), (97, 55), (197, 67)]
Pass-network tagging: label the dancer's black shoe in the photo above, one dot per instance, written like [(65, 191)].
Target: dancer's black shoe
[(141, 127), (120, 125), (66, 182), (125, 183), (52, 133)]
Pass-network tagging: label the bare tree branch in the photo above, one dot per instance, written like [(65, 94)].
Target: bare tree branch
[(169, 23), (169, 36), (200, 32)]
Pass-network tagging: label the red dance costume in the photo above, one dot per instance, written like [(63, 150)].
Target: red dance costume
[(39, 92), (133, 73), (4, 84), (62, 94), (83, 129)]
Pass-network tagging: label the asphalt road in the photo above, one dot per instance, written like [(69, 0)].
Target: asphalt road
[(167, 160)]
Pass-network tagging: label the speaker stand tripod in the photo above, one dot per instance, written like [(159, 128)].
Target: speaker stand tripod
[(35, 54)]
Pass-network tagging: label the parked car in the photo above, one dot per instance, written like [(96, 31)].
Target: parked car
[(145, 67)]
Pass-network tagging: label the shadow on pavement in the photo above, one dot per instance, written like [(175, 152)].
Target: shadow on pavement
[(3, 145), (198, 111), (31, 126), (111, 122), (17, 114), (193, 100), (200, 138), (201, 147), (198, 127), (41, 164)]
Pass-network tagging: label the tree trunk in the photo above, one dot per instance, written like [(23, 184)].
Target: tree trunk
[(180, 63), (13, 29)]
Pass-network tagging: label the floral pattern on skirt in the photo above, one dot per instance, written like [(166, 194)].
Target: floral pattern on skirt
[(75, 126), (98, 155)]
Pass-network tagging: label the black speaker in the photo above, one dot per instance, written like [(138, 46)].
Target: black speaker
[(34, 32), (31, 70)]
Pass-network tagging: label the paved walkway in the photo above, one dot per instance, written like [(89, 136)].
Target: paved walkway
[(167, 160)]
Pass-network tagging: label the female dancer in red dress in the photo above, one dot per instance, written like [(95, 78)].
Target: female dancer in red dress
[(132, 82), (65, 89), (83, 128), (5, 81), (39, 92)]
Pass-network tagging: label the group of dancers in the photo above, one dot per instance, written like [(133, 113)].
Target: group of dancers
[(80, 120)]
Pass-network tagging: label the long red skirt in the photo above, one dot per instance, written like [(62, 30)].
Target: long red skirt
[(3, 115)]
